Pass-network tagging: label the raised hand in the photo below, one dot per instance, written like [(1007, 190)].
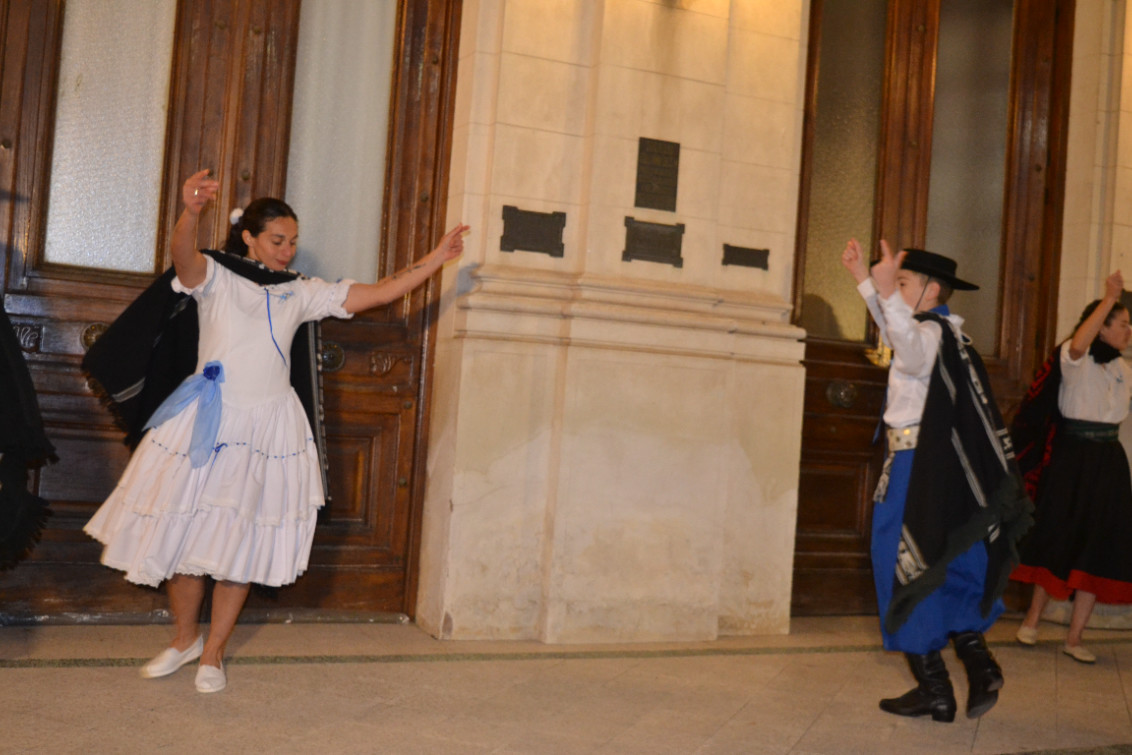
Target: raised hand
[(198, 190), (1114, 286), (451, 244), (884, 271), (854, 260)]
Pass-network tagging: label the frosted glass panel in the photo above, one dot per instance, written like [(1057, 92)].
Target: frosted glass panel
[(336, 168), (843, 180), (110, 133), (969, 129)]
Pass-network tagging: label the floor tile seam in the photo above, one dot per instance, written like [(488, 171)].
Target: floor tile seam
[(533, 655), (379, 658)]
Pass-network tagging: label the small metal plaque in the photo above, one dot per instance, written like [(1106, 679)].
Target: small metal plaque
[(653, 242), (739, 255), (533, 231), (658, 167)]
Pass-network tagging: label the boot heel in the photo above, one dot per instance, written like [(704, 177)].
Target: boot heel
[(943, 715)]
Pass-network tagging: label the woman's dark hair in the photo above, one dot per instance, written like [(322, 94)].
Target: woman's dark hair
[(256, 216), (1092, 307)]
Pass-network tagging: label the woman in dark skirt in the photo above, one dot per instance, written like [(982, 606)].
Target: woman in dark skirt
[(1081, 482)]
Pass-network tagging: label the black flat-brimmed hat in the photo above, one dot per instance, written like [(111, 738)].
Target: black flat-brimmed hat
[(936, 266)]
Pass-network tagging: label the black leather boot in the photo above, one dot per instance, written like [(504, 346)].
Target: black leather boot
[(933, 695), (984, 675)]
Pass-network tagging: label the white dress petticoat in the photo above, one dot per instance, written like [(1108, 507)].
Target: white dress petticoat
[(248, 514)]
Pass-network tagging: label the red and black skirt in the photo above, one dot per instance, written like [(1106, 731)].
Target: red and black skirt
[(1083, 528)]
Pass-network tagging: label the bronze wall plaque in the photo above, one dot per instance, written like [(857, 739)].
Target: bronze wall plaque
[(658, 167), (653, 242), (740, 255), (533, 231)]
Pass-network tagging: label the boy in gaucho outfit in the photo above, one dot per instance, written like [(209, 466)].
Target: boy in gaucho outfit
[(949, 507)]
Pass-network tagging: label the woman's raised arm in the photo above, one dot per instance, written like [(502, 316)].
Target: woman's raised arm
[(1084, 335), (187, 259)]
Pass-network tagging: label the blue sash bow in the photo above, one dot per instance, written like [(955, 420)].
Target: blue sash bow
[(205, 389)]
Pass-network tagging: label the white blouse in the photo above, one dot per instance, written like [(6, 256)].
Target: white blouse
[(1094, 392)]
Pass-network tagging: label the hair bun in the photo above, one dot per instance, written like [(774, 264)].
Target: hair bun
[(235, 215)]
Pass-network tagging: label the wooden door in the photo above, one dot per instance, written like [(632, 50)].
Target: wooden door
[(229, 109), (884, 103)]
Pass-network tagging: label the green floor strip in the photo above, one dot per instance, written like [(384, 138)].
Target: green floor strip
[(559, 655)]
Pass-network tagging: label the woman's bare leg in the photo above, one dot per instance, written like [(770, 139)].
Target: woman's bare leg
[(186, 593), (227, 600), (1037, 605), (1083, 603)]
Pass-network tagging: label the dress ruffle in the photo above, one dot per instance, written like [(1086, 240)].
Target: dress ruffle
[(247, 515)]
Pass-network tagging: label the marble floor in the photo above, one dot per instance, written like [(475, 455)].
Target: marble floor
[(390, 688)]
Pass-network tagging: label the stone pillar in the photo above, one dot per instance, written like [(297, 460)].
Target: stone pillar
[(614, 444)]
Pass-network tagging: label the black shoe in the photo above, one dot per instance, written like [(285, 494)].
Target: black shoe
[(932, 696), (984, 675)]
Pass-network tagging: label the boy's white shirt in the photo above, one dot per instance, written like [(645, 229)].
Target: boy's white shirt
[(914, 346)]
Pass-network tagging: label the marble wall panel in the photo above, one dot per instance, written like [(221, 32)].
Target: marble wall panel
[(499, 492), (639, 517), (543, 94), (757, 197), (788, 20), (659, 38), (761, 132), (562, 30), (537, 164), (632, 103), (761, 498), (764, 66)]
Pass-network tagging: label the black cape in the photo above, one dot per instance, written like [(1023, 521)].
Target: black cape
[(23, 444), (1035, 425), (965, 485), (152, 347)]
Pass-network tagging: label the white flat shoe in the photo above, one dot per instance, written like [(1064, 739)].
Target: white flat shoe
[(1078, 653), (211, 679), (1027, 636), (171, 659)]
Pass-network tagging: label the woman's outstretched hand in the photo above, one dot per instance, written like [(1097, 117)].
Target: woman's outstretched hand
[(198, 190), (451, 244)]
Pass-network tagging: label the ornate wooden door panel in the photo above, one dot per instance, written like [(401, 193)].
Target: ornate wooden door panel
[(839, 469), (229, 109)]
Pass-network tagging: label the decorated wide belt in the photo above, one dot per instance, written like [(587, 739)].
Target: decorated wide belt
[(902, 438), (1083, 428)]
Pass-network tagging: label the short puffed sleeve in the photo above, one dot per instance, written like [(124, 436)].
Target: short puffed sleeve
[(202, 288), (323, 299)]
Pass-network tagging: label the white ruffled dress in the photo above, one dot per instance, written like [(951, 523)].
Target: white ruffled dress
[(248, 513)]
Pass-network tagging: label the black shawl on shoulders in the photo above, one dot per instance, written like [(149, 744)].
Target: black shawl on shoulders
[(965, 485)]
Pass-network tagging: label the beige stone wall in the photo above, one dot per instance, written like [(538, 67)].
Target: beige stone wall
[(614, 445), (1097, 236), (1098, 208)]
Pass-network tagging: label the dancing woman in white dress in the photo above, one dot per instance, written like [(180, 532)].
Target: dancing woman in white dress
[(226, 482)]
